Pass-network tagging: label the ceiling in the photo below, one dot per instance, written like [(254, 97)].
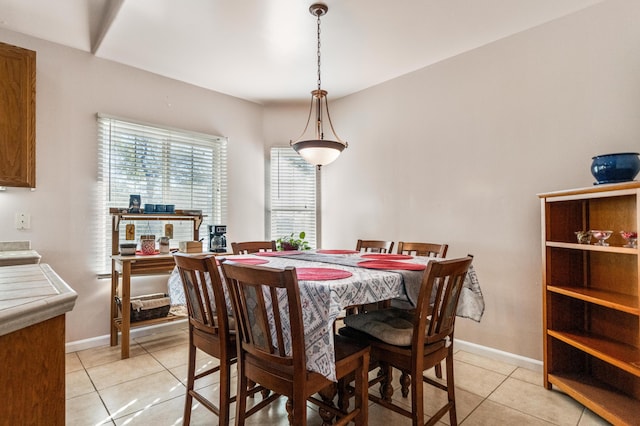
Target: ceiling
[(265, 50)]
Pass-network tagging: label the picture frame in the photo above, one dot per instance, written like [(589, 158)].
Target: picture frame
[(134, 203)]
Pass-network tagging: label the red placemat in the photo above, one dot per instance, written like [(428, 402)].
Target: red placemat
[(387, 256), (321, 274), (140, 253), (277, 253), (391, 264), (247, 260), (326, 251)]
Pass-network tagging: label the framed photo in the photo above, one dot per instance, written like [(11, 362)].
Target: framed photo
[(134, 204)]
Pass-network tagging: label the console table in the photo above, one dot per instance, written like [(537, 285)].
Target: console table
[(123, 267)]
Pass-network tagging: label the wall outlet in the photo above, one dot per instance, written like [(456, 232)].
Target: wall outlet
[(23, 221)]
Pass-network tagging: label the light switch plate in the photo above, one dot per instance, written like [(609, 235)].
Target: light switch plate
[(23, 220)]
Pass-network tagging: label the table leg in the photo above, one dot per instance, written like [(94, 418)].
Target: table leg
[(114, 306), (386, 388), (126, 309), (327, 394), (405, 383)]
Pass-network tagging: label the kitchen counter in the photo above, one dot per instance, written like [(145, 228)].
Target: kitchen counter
[(17, 253), (30, 294), (33, 304)]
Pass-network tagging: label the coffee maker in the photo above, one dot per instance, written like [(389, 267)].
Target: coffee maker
[(217, 238)]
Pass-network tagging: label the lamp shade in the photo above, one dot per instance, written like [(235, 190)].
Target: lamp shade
[(318, 152)]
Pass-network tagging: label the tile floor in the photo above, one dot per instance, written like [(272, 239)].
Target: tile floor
[(148, 389)]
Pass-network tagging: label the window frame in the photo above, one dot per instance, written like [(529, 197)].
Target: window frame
[(202, 184), (313, 235)]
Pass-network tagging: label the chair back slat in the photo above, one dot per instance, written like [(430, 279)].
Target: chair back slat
[(277, 320), (423, 249), (266, 302), (248, 247), (438, 300), (374, 246)]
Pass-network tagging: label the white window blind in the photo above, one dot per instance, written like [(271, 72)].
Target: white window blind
[(293, 195), (163, 166)]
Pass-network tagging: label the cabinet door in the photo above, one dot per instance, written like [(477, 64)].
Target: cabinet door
[(17, 116)]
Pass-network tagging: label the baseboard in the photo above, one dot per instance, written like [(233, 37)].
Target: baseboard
[(514, 359), (498, 355), (94, 342)]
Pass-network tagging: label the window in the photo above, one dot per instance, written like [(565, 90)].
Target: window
[(163, 166), (293, 195)]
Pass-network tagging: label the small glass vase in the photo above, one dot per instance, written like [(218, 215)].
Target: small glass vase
[(601, 236)]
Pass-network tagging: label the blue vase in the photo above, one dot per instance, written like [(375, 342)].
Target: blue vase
[(615, 168)]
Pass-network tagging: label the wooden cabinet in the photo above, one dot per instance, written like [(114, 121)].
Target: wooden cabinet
[(591, 313), (17, 116), (126, 266), (33, 378)]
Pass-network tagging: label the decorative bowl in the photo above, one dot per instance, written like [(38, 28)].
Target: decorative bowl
[(127, 249), (631, 237), (584, 237), (601, 236), (613, 168)]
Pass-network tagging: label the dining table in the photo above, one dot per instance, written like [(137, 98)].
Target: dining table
[(332, 280)]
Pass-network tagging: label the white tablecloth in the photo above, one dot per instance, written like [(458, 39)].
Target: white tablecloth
[(322, 301)]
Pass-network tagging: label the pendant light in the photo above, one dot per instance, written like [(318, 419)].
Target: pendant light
[(315, 149)]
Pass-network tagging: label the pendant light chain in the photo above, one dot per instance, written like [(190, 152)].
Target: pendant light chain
[(319, 80)]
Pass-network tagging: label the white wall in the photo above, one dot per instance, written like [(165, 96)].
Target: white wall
[(457, 152), (72, 86)]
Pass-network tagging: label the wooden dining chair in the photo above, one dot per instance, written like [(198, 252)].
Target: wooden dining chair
[(374, 246), (427, 250), (248, 247), (262, 353), (423, 249), (414, 341), (210, 330)]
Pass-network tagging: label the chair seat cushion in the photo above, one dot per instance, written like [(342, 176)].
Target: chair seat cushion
[(393, 326), (230, 320)]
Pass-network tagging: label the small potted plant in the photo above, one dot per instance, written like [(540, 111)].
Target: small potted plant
[(293, 242)]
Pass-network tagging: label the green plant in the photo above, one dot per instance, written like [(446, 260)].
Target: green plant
[(293, 242)]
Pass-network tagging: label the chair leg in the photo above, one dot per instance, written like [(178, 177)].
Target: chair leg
[(438, 369), (451, 390), (417, 401), (225, 392), (362, 392), (297, 411), (241, 398), (191, 371)]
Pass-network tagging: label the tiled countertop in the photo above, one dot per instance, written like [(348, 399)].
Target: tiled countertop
[(17, 253), (30, 294), (19, 257)]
